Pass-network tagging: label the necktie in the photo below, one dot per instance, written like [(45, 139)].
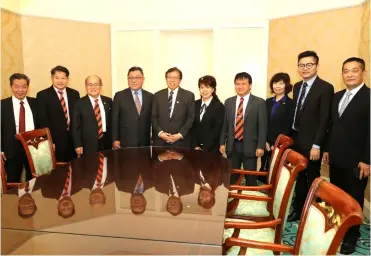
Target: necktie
[(202, 179), (100, 170), (171, 187), (238, 130), (67, 183), (22, 118), (27, 187), (64, 107), (202, 111), (99, 118), (139, 185), (170, 102), (345, 103), (137, 103), (300, 105)]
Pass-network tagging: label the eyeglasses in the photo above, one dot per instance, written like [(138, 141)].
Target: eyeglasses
[(94, 85), (172, 77), (307, 65), (135, 77)]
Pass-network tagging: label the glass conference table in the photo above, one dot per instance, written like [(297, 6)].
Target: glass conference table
[(151, 200)]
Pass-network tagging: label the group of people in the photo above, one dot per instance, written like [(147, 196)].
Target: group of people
[(325, 126)]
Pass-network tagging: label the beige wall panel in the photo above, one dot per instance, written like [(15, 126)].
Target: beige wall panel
[(11, 49), (84, 48), (334, 35)]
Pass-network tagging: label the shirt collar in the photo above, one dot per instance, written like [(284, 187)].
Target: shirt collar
[(93, 100), (139, 92), (57, 90), (206, 102), (17, 101), (283, 99), (174, 92), (246, 97), (355, 90), (310, 81)]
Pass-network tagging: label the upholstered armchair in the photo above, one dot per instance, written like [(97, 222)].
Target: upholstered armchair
[(321, 229), (256, 205)]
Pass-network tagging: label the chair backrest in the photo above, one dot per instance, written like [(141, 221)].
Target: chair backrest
[(38, 146), (323, 225), (281, 144), (290, 165), (4, 187)]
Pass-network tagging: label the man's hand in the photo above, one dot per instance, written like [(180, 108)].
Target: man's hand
[(267, 146), (53, 147), (326, 158), (259, 152), (314, 154), (222, 149), (364, 170), (165, 136), (79, 151), (197, 148), (175, 137), (3, 156), (116, 144)]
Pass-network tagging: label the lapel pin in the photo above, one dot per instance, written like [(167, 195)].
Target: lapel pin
[(177, 102)]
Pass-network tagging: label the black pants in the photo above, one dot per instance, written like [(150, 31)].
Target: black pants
[(104, 143), (14, 167), (238, 158), (345, 179), (265, 159), (65, 152)]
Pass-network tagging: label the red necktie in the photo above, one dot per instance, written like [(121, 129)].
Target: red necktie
[(100, 170), (64, 106), (22, 118), (99, 118), (238, 130)]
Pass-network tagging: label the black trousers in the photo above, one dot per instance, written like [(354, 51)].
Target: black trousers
[(238, 158), (265, 159), (104, 143), (345, 179), (306, 177), (14, 166), (67, 152)]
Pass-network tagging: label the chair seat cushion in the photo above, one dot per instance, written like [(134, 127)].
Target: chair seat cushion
[(251, 207), (42, 157), (261, 235)]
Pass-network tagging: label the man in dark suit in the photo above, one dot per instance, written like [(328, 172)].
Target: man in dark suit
[(18, 114), (348, 140), (131, 115), (244, 131), (91, 119), (313, 98), (173, 113), (54, 111)]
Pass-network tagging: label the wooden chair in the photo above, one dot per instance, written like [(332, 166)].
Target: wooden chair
[(38, 146), (322, 225), (254, 207), (4, 184), (269, 228)]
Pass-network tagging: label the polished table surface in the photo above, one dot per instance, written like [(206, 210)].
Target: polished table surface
[(153, 200)]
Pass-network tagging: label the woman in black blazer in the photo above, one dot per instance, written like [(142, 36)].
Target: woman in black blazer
[(280, 113), (209, 117)]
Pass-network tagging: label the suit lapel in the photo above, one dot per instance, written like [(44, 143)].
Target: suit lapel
[(132, 101), (69, 101), (356, 98), (234, 109), (249, 106), (198, 109), (89, 107), (208, 110), (177, 99), (56, 99), (144, 101), (11, 113), (312, 94), (105, 105), (33, 110)]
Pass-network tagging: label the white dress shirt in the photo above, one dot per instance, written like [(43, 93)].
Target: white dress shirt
[(354, 92), (245, 101), (28, 114), (104, 175), (174, 187), (175, 93), (102, 111), (207, 103), (22, 191), (65, 99)]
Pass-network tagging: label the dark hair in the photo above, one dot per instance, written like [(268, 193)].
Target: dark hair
[(100, 79), (309, 54), (132, 69), (355, 59), (60, 69), (174, 69), (281, 77), (208, 81), (18, 76), (243, 75)]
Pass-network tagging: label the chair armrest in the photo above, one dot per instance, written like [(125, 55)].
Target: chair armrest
[(252, 225), (249, 172), (252, 188), (233, 241), (61, 163), (250, 197), (13, 185)]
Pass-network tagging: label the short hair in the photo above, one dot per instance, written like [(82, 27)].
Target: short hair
[(281, 77), (308, 54), (18, 76), (243, 75), (174, 69), (355, 59), (100, 79), (60, 69), (208, 81), (132, 69)]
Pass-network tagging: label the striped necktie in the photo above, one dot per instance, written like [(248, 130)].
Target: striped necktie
[(100, 170), (238, 130), (64, 107), (99, 118), (170, 102), (345, 103)]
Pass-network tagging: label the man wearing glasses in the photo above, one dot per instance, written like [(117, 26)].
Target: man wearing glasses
[(313, 102), (173, 112), (131, 114), (91, 116)]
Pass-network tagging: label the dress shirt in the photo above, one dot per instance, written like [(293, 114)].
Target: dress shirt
[(245, 101), (354, 92), (28, 114), (102, 111), (65, 98)]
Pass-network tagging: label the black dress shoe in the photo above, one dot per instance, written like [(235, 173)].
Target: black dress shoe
[(293, 217), (348, 247)]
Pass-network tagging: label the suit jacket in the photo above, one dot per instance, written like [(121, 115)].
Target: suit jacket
[(315, 114), (348, 141), (255, 125), (50, 114), (282, 119), (9, 144), (206, 132), (131, 129), (85, 126), (181, 120)]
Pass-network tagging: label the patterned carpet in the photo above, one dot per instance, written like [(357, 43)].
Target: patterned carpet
[(363, 244)]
